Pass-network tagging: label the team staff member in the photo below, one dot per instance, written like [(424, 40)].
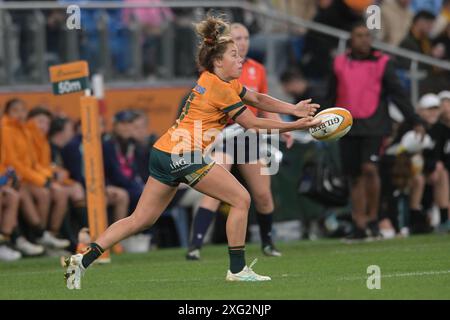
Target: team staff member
[(217, 97), (363, 80)]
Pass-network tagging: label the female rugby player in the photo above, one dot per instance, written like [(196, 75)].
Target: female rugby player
[(253, 77), (217, 97)]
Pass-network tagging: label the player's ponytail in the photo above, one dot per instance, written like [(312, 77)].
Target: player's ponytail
[(215, 35)]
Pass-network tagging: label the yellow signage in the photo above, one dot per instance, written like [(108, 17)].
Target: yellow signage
[(69, 71)]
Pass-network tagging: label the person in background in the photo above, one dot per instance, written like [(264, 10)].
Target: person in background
[(432, 187), (9, 208), (442, 20), (152, 21), (18, 153), (119, 157), (60, 133), (396, 18), (362, 81), (116, 198), (295, 85), (441, 45), (444, 148), (433, 6), (418, 37), (38, 125), (320, 49), (144, 144)]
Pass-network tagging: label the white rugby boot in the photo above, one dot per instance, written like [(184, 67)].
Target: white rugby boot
[(247, 274), (74, 272)]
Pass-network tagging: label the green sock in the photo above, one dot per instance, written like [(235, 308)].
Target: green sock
[(92, 252), (237, 258)]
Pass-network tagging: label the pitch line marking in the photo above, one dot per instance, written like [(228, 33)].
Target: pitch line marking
[(405, 274)]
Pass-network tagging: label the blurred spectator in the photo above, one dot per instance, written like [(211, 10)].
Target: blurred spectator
[(433, 6), (72, 156), (418, 39), (152, 21), (20, 19), (442, 44), (60, 133), (185, 42), (440, 79), (318, 51), (444, 97), (442, 20), (38, 125), (429, 183), (434, 171), (443, 146), (362, 81), (144, 144), (396, 18), (295, 85), (19, 154), (306, 9), (9, 208), (120, 158), (55, 20), (117, 35)]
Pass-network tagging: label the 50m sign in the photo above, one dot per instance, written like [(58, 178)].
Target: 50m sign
[(69, 86), (69, 77)]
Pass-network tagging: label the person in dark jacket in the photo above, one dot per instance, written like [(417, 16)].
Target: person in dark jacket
[(144, 144), (363, 79), (119, 157), (318, 50), (418, 39), (72, 156)]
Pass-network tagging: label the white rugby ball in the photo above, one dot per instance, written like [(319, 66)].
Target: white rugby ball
[(336, 122)]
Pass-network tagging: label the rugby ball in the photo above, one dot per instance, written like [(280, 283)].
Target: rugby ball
[(336, 122)]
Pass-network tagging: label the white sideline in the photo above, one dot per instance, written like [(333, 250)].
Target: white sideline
[(393, 275)]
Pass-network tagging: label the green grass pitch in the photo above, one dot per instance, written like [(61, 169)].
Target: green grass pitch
[(413, 268)]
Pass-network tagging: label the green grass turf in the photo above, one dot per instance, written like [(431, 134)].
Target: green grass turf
[(414, 268)]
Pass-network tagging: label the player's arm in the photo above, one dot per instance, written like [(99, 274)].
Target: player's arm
[(286, 136), (248, 120), (270, 104)]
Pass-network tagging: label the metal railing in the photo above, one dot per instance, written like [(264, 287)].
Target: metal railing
[(271, 15)]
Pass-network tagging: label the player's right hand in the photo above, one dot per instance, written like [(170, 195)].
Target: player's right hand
[(307, 122)]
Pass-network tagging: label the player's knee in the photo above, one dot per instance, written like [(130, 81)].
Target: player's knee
[(139, 221), (135, 224), (242, 200)]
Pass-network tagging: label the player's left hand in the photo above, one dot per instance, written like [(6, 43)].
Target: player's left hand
[(288, 139), (305, 108)]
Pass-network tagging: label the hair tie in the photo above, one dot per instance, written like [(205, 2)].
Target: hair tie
[(209, 40)]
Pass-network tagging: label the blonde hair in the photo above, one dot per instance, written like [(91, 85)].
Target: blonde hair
[(215, 37)]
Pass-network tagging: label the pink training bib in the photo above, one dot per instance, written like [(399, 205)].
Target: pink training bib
[(359, 84)]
